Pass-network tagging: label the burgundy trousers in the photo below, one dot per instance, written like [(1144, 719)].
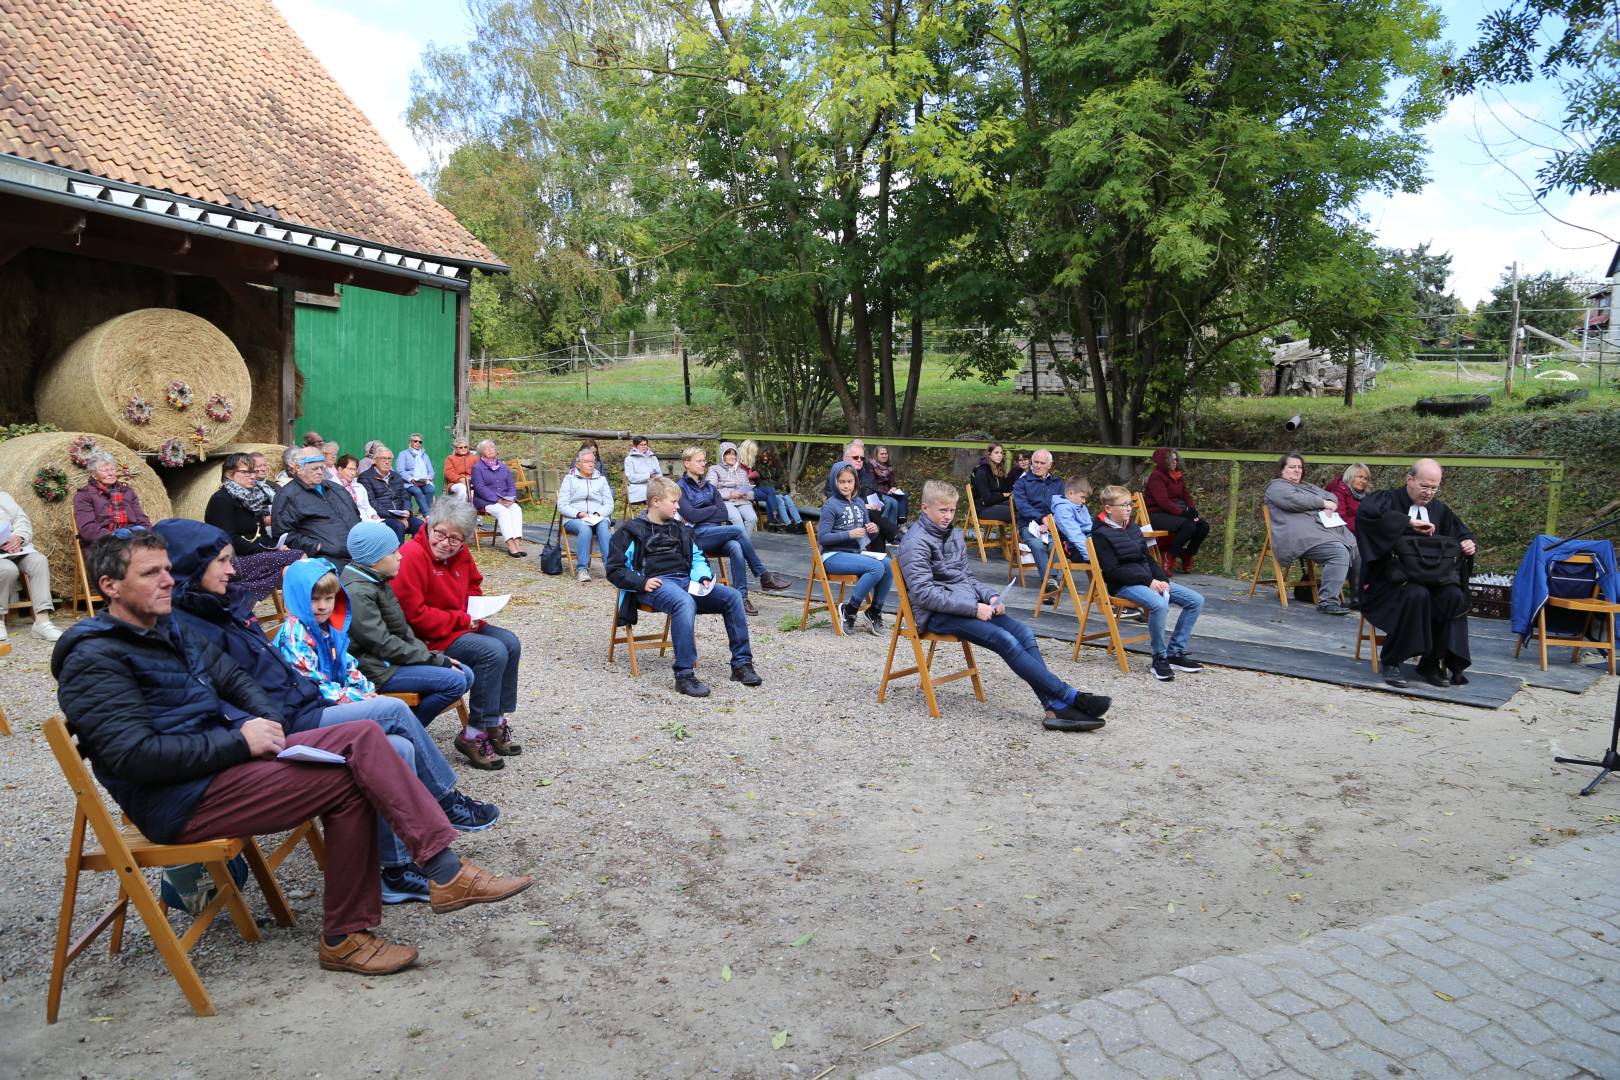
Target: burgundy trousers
[(266, 796)]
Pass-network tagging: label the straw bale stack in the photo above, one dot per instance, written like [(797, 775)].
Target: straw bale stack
[(21, 458), (139, 354), (190, 488)]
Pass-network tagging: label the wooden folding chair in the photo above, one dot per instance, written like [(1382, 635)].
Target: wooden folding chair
[(83, 594), (993, 531), (1158, 539), (625, 634), (490, 532), (5, 728), (24, 601), (1106, 604), (127, 853), (820, 576), (1278, 578), (527, 490), (278, 613), (413, 700), (1060, 577), (1368, 634), (905, 626), (1596, 608)]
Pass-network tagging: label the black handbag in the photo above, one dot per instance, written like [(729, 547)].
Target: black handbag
[(551, 557), (1427, 560)]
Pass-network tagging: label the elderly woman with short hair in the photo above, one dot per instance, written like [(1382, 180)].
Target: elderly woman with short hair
[(105, 504), (494, 493), (436, 577), (1350, 489)]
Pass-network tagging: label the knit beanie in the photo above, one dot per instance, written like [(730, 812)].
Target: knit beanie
[(371, 541)]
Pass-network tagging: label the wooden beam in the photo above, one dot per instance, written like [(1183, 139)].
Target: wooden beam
[(463, 352), (289, 367)]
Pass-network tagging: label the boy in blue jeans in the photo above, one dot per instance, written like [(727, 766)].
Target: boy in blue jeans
[(1132, 573), (654, 559)]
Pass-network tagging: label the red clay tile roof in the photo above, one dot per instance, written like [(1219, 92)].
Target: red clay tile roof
[(215, 100)]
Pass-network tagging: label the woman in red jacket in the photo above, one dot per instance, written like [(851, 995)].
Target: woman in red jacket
[(1350, 489), (1170, 507), (436, 577)]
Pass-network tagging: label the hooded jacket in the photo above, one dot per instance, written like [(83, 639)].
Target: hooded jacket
[(433, 594), (229, 622), (729, 479), (316, 520), (1165, 492), (1073, 523), (320, 653), (625, 563), (157, 712), (1530, 582), (578, 495), (639, 467), (840, 516), (701, 503), (934, 563), (379, 635)]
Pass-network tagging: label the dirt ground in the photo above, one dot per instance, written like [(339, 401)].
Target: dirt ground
[(773, 882)]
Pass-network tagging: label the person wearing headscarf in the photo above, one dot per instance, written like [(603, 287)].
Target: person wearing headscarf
[(1170, 507)]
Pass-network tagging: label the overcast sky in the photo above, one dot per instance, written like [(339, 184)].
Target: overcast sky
[(1472, 208)]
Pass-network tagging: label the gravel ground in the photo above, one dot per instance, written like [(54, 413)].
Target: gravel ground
[(769, 882)]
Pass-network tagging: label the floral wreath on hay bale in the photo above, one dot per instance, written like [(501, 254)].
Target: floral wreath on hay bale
[(172, 454), (138, 411), (219, 408), (51, 484), (179, 395), (79, 451)]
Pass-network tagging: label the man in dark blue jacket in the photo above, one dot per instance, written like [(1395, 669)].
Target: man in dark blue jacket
[(210, 607), (1032, 498), (388, 494), (188, 745)]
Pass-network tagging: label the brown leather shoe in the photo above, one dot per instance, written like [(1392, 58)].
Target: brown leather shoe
[(500, 740), (771, 581), (748, 606), (364, 953), (474, 885)]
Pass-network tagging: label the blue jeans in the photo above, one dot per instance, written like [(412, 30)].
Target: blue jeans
[(877, 576), (788, 510), (415, 747), (1157, 606), (896, 506), (1013, 642), (683, 608), (493, 653), (439, 687), (421, 496), (1043, 556), (765, 498), (733, 543), (582, 534)]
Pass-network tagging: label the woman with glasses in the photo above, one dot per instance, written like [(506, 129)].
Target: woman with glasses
[(241, 510), (105, 503), (458, 467), (436, 577)]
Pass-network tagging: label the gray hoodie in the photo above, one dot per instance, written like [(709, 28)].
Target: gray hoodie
[(729, 479), (934, 563)]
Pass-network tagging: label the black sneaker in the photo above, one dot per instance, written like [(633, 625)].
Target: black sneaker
[(466, 814), (874, 621), (1432, 674), (1161, 670), (1072, 718), (1183, 662), (691, 686), (1395, 675), (404, 884), (848, 612), (1332, 607), (1092, 704), (745, 674)]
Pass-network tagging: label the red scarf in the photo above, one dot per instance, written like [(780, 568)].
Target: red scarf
[(117, 516)]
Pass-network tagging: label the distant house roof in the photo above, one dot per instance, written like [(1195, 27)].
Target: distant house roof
[(216, 101)]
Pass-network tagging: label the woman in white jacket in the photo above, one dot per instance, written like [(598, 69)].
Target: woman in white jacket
[(19, 559), (585, 503)]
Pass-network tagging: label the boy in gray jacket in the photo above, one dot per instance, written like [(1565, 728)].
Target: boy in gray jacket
[(947, 599)]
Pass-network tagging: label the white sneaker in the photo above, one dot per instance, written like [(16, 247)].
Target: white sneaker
[(44, 628), (2, 630), (584, 577)]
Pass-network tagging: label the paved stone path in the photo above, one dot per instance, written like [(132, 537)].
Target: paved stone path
[(1516, 979)]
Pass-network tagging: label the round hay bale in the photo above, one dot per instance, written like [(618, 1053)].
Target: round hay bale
[(138, 355), (21, 458), (190, 488)]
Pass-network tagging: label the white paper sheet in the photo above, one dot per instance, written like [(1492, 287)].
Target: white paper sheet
[(878, 555), (1330, 519), (700, 588), (593, 520), (314, 754), (483, 607)]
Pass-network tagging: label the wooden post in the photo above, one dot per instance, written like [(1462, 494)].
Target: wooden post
[(1231, 517), (1034, 371), (1513, 336), (287, 318), (462, 415), (686, 375)]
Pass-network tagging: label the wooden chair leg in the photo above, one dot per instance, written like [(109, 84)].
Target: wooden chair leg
[(64, 923), (274, 898), (168, 946), (888, 664), (1254, 581), (1541, 634), (1282, 585), (235, 906), (922, 673), (5, 728), (119, 912), (978, 684)]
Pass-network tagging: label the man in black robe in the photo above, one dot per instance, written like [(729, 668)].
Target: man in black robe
[(1426, 621)]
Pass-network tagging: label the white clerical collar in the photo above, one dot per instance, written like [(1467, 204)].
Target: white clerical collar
[(1418, 513)]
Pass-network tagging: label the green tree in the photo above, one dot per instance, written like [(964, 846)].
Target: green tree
[(1547, 301)]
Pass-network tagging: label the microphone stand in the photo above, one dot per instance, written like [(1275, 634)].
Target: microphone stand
[(1611, 757)]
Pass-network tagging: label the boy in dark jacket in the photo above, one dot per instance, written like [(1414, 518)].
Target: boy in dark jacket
[(702, 508), (187, 743), (654, 560), (947, 599), (1132, 573)]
